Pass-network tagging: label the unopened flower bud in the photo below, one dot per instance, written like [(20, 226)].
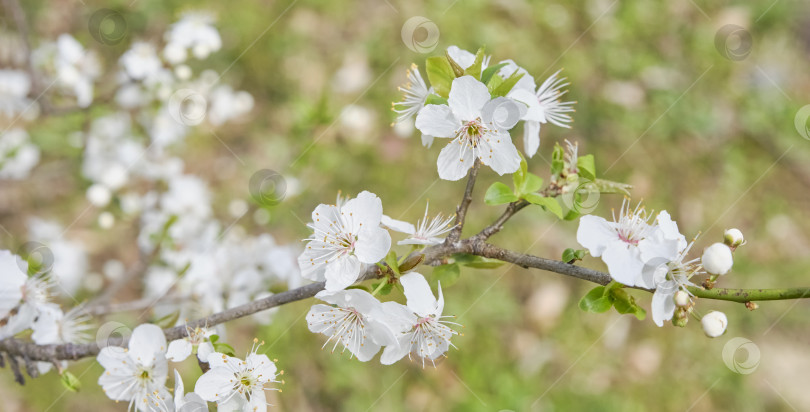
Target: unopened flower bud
[(733, 238), (714, 324), (681, 317), (717, 259), (681, 299)]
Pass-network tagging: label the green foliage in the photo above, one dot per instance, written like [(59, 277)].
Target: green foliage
[(547, 203), (572, 255), (71, 382), (434, 99), (221, 347), (486, 76), (498, 194), (382, 288), (477, 262), (440, 74), (447, 274), (601, 298), (475, 69), (586, 167), (504, 88)]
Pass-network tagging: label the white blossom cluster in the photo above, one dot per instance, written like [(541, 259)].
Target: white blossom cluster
[(652, 254), (350, 237)]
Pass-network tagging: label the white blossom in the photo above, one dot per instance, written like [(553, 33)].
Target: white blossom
[(344, 240), (714, 324), (235, 384), (415, 93), (545, 106), (198, 338), (733, 238), (17, 154), (425, 334), (182, 402), (717, 259), (617, 242), (195, 31), (468, 119), (134, 374), (141, 61), (426, 232), (357, 321)]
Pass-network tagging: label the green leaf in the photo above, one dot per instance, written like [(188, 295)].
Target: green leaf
[(435, 99), (225, 349), (214, 338), (572, 255), (447, 274), (531, 184), (557, 160), (495, 81), (71, 382), (440, 75), (596, 301), (457, 70), (486, 76), (168, 320), (386, 288), (548, 203), (476, 262), (361, 287), (475, 69), (520, 175), (624, 303), (586, 167), (504, 88), (392, 262), (607, 186), (498, 194)]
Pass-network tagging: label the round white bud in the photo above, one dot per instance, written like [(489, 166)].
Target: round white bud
[(733, 238), (183, 72), (99, 195), (681, 299), (717, 259), (106, 220), (714, 324)]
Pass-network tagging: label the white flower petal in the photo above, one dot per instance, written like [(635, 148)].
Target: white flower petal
[(373, 244), (595, 233), (214, 384), (454, 161), (498, 152), (417, 291), (531, 137), (663, 306), (467, 97), (398, 225), (623, 262), (146, 342), (437, 120), (342, 272), (179, 350)]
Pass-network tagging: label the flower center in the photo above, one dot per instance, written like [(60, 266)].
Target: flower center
[(471, 132)]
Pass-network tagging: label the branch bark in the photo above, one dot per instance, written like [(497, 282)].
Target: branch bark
[(461, 209)]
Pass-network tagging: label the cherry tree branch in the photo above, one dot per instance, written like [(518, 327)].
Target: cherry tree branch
[(461, 209)]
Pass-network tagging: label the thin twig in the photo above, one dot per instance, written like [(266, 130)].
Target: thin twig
[(461, 209)]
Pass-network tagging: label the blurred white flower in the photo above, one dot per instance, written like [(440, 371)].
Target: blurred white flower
[(17, 155), (73, 68), (14, 316), (415, 93), (198, 338), (194, 31), (141, 61), (14, 88), (227, 104)]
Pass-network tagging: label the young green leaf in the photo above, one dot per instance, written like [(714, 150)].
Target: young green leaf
[(586, 167), (607, 186), (392, 262), (71, 382), (548, 203), (475, 69), (435, 99), (504, 88), (572, 255), (477, 262), (386, 288), (596, 301), (486, 76), (624, 303), (440, 75), (447, 274), (225, 349), (557, 160), (457, 70), (531, 184), (494, 82), (498, 194)]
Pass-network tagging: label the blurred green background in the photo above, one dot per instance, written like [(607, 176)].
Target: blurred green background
[(708, 138)]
